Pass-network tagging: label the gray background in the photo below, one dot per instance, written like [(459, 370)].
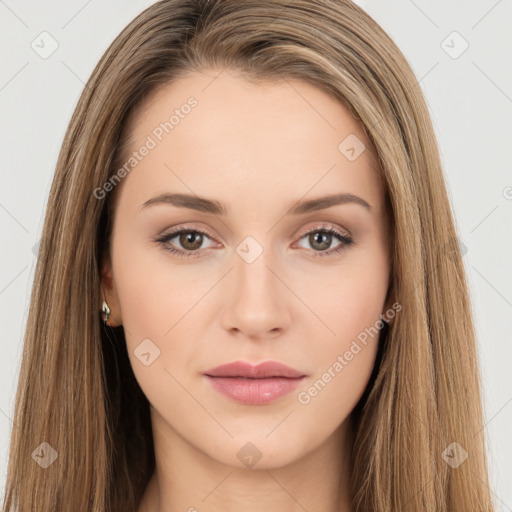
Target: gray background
[(469, 96)]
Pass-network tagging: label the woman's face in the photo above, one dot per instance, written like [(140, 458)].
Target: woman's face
[(251, 280)]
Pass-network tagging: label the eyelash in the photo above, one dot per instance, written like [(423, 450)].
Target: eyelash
[(163, 241)]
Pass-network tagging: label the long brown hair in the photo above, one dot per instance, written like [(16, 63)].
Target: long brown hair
[(77, 392)]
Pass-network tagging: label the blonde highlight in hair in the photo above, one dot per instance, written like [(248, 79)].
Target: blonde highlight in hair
[(76, 389)]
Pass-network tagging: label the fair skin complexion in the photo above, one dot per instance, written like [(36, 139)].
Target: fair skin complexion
[(258, 149)]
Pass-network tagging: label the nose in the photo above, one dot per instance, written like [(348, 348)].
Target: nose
[(257, 302)]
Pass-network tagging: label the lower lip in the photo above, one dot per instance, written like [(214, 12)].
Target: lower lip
[(254, 391)]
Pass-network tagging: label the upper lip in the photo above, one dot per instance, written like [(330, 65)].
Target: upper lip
[(263, 370)]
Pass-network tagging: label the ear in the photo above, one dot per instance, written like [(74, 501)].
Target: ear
[(110, 294)]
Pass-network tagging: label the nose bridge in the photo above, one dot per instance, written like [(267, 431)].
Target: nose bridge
[(254, 279), (257, 303)]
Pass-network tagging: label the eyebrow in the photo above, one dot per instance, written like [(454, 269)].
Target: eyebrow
[(203, 204)]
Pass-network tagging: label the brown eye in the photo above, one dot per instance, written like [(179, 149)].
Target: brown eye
[(188, 242), (191, 240), (320, 240)]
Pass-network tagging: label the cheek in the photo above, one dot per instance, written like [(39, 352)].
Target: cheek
[(350, 306), (155, 302), (153, 292), (346, 358), (347, 299)]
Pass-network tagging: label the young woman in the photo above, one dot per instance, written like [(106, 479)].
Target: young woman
[(251, 195)]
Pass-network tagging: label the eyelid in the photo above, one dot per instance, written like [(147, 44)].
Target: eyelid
[(185, 227), (323, 225)]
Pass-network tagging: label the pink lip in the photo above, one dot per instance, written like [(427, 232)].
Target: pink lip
[(254, 385), (262, 370)]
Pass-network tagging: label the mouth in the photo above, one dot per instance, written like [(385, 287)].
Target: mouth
[(254, 385)]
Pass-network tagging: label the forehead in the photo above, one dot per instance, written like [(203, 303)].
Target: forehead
[(216, 134)]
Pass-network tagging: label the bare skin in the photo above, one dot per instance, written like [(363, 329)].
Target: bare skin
[(258, 149)]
